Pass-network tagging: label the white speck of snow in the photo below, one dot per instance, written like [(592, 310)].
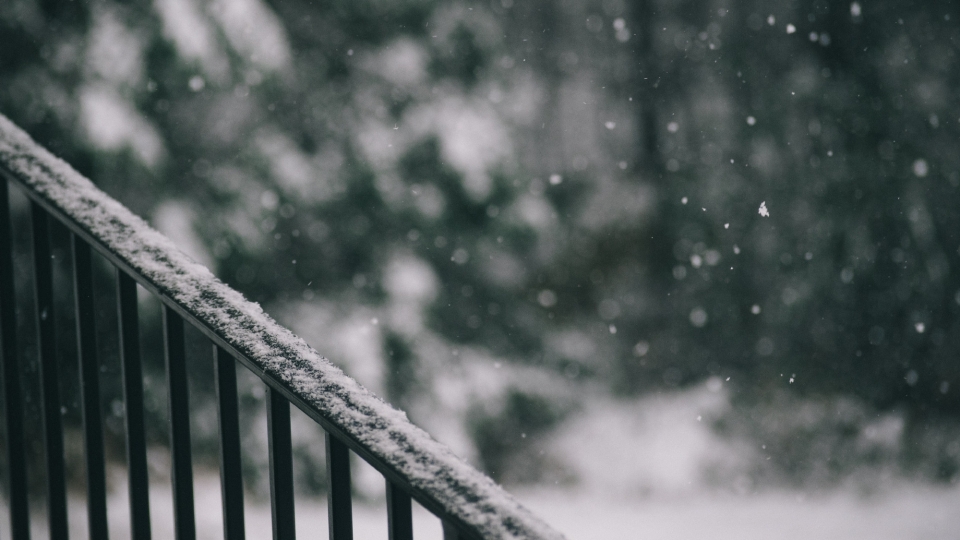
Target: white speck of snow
[(683, 200), (855, 9), (771, 20), (555, 179), (673, 127), (920, 168), (791, 28), (641, 348), (613, 329), (698, 317), (755, 309), (751, 121), (763, 209), (920, 327), (726, 225), (197, 83), (610, 124), (695, 261), (547, 298), (460, 256), (736, 249)]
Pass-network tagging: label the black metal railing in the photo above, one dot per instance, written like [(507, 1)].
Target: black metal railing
[(415, 467)]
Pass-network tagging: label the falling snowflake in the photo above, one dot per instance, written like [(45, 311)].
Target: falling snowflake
[(763, 209), (920, 168)]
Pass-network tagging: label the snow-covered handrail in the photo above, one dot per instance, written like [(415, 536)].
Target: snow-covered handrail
[(469, 503)]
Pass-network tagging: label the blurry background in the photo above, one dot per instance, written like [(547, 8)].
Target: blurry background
[(644, 247)]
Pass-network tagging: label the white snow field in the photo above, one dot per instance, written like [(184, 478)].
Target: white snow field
[(909, 512), (639, 467)]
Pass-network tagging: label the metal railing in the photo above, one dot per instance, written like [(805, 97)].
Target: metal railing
[(415, 467)]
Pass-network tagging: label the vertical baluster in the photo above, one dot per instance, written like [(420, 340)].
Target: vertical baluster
[(449, 531), (50, 386), (231, 474), (90, 389), (281, 466), (338, 499), (399, 513), (182, 473), (133, 406), (13, 395)]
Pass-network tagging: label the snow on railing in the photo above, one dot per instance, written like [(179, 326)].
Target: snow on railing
[(469, 504)]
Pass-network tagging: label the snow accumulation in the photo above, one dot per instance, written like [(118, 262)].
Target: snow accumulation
[(445, 480)]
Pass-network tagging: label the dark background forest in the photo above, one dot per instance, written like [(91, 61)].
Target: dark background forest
[(528, 203)]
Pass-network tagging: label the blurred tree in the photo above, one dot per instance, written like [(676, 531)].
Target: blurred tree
[(568, 185)]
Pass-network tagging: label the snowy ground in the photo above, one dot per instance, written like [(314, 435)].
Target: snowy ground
[(639, 469), (907, 512)]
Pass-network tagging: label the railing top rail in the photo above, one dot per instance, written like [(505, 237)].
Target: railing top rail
[(382, 435)]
